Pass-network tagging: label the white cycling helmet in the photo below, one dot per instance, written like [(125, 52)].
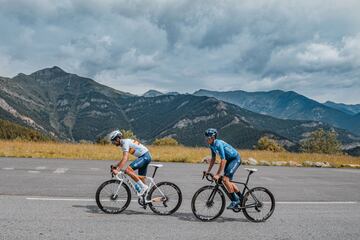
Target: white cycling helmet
[(114, 134)]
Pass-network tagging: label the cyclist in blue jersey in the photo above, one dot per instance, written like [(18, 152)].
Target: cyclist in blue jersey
[(230, 162)]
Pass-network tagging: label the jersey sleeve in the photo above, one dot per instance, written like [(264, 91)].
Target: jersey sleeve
[(221, 150), (125, 146)]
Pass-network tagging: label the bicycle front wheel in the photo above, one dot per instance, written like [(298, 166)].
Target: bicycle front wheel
[(208, 203), (113, 196), (165, 198), (258, 204)]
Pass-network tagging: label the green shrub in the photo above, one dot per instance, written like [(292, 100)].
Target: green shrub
[(268, 144), (128, 134), (105, 140), (102, 141), (321, 141), (168, 141)]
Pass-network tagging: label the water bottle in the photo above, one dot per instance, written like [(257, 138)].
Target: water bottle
[(137, 188)]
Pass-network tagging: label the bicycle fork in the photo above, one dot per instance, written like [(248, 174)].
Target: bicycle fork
[(210, 200)]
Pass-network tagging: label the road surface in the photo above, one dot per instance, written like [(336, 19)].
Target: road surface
[(54, 199)]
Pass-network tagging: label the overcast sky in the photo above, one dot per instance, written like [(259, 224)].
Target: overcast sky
[(309, 46)]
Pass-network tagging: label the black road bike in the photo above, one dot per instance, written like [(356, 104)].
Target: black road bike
[(208, 203)]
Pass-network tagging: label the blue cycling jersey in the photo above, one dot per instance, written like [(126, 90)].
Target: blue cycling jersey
[(225, 150)]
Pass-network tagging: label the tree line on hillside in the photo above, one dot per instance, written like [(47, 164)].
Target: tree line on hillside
[(12, 131), (319, 141), (166, 141)]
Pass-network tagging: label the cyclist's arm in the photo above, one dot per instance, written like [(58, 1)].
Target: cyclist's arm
[(211, 164), (123, 160)]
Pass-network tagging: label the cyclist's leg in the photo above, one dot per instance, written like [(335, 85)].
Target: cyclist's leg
[(238, 159), (226, 180), (129, 171), (230, 169), (143, 169), (232, 188), (138, 164)]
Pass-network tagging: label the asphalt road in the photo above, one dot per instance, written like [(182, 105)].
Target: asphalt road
[(53, 199)]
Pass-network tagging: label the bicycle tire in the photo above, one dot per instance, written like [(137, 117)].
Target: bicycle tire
[(113, 210), (249, 195), (161, 186), (196, 211)]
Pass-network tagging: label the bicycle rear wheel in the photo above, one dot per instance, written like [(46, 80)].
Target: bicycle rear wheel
[(208, 203), (165, 198), (258, 204), (113, 197)]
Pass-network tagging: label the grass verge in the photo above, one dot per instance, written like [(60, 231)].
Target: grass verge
[(159, 153)]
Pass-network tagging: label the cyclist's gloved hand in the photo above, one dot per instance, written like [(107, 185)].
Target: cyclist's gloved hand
[(114, 170)]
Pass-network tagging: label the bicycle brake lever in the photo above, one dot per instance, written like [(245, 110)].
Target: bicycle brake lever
[(112, 173)]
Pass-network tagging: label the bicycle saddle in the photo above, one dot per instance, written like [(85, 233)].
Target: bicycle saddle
[(156, 165), (251, 169)]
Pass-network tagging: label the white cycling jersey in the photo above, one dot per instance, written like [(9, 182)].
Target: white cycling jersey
[(133, 147)]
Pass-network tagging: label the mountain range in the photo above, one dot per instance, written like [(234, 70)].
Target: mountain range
[(288, 105), (70, 107), (351, 109)]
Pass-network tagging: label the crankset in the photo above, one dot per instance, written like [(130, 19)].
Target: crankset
[(237, 209), (141, 201)]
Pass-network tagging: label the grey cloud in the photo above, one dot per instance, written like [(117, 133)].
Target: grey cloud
[(186, 45)]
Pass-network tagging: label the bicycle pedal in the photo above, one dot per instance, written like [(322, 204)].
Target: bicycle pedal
[(237, 209)]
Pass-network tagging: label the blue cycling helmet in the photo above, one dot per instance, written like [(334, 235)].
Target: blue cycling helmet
[(211, 132)]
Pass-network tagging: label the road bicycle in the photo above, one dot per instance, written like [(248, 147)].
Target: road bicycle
[(114, 196), (208, 203)]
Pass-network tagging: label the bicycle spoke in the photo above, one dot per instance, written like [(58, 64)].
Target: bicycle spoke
[(207, 204), (258, 205), (169, 199), (113, 197)]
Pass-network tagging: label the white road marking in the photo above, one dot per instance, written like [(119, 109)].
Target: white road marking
[(40, 168), (8, 168), (61, 170), (65, 199), (348, 170), (267, 178), (347, 202), (31, 171), (61, 199), (133, 200)]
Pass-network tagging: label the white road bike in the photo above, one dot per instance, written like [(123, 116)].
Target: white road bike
[(114, 196)]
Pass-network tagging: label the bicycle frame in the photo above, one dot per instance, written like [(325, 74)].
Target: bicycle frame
[(122, 177), (220, 184)]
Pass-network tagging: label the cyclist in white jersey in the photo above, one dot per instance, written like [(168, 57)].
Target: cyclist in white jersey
[(130, 146)]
